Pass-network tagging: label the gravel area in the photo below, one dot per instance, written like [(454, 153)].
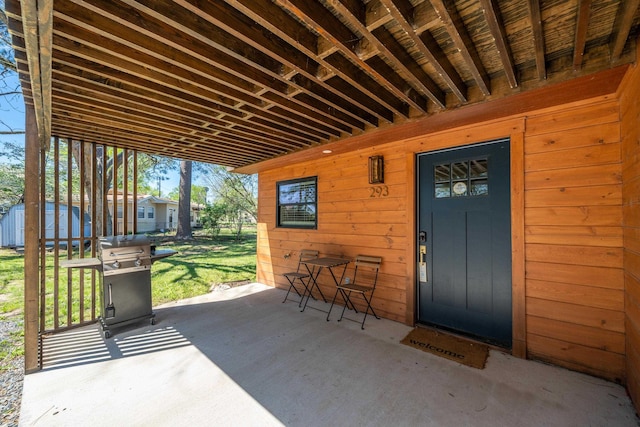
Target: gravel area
[(11, 376)]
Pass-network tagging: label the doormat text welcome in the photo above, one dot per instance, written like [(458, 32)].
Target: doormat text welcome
[(448, 346)]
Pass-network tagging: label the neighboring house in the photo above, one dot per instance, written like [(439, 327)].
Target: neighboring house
[(154, 213), (12, 224)]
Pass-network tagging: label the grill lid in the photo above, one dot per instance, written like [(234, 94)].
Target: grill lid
[(125, 254), (124, 241)]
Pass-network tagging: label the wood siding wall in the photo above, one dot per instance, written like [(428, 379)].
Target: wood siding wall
[(572, 269), (573, 237), (353, 218), (630, 113)]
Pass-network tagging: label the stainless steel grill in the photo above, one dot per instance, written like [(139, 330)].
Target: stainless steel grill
[(126, 281), (125, 266)]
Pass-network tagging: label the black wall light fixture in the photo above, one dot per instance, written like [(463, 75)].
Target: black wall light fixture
[(376, 170)]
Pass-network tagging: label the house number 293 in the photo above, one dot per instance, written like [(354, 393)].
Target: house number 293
[(379, 191)]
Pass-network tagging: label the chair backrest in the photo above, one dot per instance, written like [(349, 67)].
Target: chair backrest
[(305, 255), (366, 271)]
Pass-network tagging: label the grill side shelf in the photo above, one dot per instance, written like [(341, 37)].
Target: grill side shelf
[(82, 263), (161, 253)]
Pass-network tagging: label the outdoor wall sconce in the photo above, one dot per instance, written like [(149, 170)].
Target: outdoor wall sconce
[(376, 170)]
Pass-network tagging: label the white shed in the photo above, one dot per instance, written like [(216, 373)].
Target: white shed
[(12, 224)]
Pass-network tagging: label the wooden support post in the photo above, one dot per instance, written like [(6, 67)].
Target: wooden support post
[(31, 239)]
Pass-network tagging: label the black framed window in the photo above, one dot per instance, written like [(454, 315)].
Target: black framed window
[(297, 203)]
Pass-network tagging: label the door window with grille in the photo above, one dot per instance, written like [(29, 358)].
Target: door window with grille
[(461, 179)]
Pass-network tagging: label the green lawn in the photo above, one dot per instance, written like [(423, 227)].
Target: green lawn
[(200, 264)]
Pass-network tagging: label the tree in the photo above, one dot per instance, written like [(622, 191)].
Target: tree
[(11, 175), (212, 217), (9, 85), (236, 192), (184, 202)]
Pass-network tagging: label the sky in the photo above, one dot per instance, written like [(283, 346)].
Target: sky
[(12, 113)]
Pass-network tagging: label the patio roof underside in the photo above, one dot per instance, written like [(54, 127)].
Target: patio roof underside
[(240, 82)]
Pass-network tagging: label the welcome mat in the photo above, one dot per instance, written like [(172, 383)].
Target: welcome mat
[(448, 346)]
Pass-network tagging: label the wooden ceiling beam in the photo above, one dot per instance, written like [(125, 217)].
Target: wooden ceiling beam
[(622, 27), (91, 90), (295, 34), (538, 38), (84, 123), (496, 27), (412, 72), (425, 17), (157, 29), (582, 25), (376, 15), (36, 27), (226, 18), (168, 149), (321, 21), (383, 43), (120, 131), (371, 86), (180, 91), (454, 26), (156, 120), (402, 12)]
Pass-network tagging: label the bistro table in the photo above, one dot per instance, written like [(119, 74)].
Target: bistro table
[(315, 267)]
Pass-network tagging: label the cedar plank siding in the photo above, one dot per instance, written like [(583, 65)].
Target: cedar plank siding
[(569, 262), (574, 261), (630, 134)]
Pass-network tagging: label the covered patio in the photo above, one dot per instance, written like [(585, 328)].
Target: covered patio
[(306, 94), (242, 357)]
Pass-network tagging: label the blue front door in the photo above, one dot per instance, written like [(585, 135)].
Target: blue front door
[(464, 241)]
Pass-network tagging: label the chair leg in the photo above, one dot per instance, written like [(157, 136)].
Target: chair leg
[(291, 285), (332, 302), (347, 300), (368, 300)]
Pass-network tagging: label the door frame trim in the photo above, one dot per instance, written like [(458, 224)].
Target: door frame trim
[(518, 296)]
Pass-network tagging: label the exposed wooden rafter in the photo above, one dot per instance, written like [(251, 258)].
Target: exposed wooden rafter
[(455, 28), (582, 25), (239, 82), (37, 24), (496, 27), (401, 11), (627, 11), (538, 38)]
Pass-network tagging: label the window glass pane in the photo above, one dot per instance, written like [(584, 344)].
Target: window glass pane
[(297, 203), (478, 168), (441, 173), (297, 215), (479, 187), (299, 192), (150, 212), (140, 211), (443, 189), (459, 170)]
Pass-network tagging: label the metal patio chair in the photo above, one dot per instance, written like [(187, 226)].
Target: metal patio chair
[(301, 275), (364, 281)]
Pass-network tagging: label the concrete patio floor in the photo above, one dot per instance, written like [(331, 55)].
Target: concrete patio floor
[(239, 357)]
